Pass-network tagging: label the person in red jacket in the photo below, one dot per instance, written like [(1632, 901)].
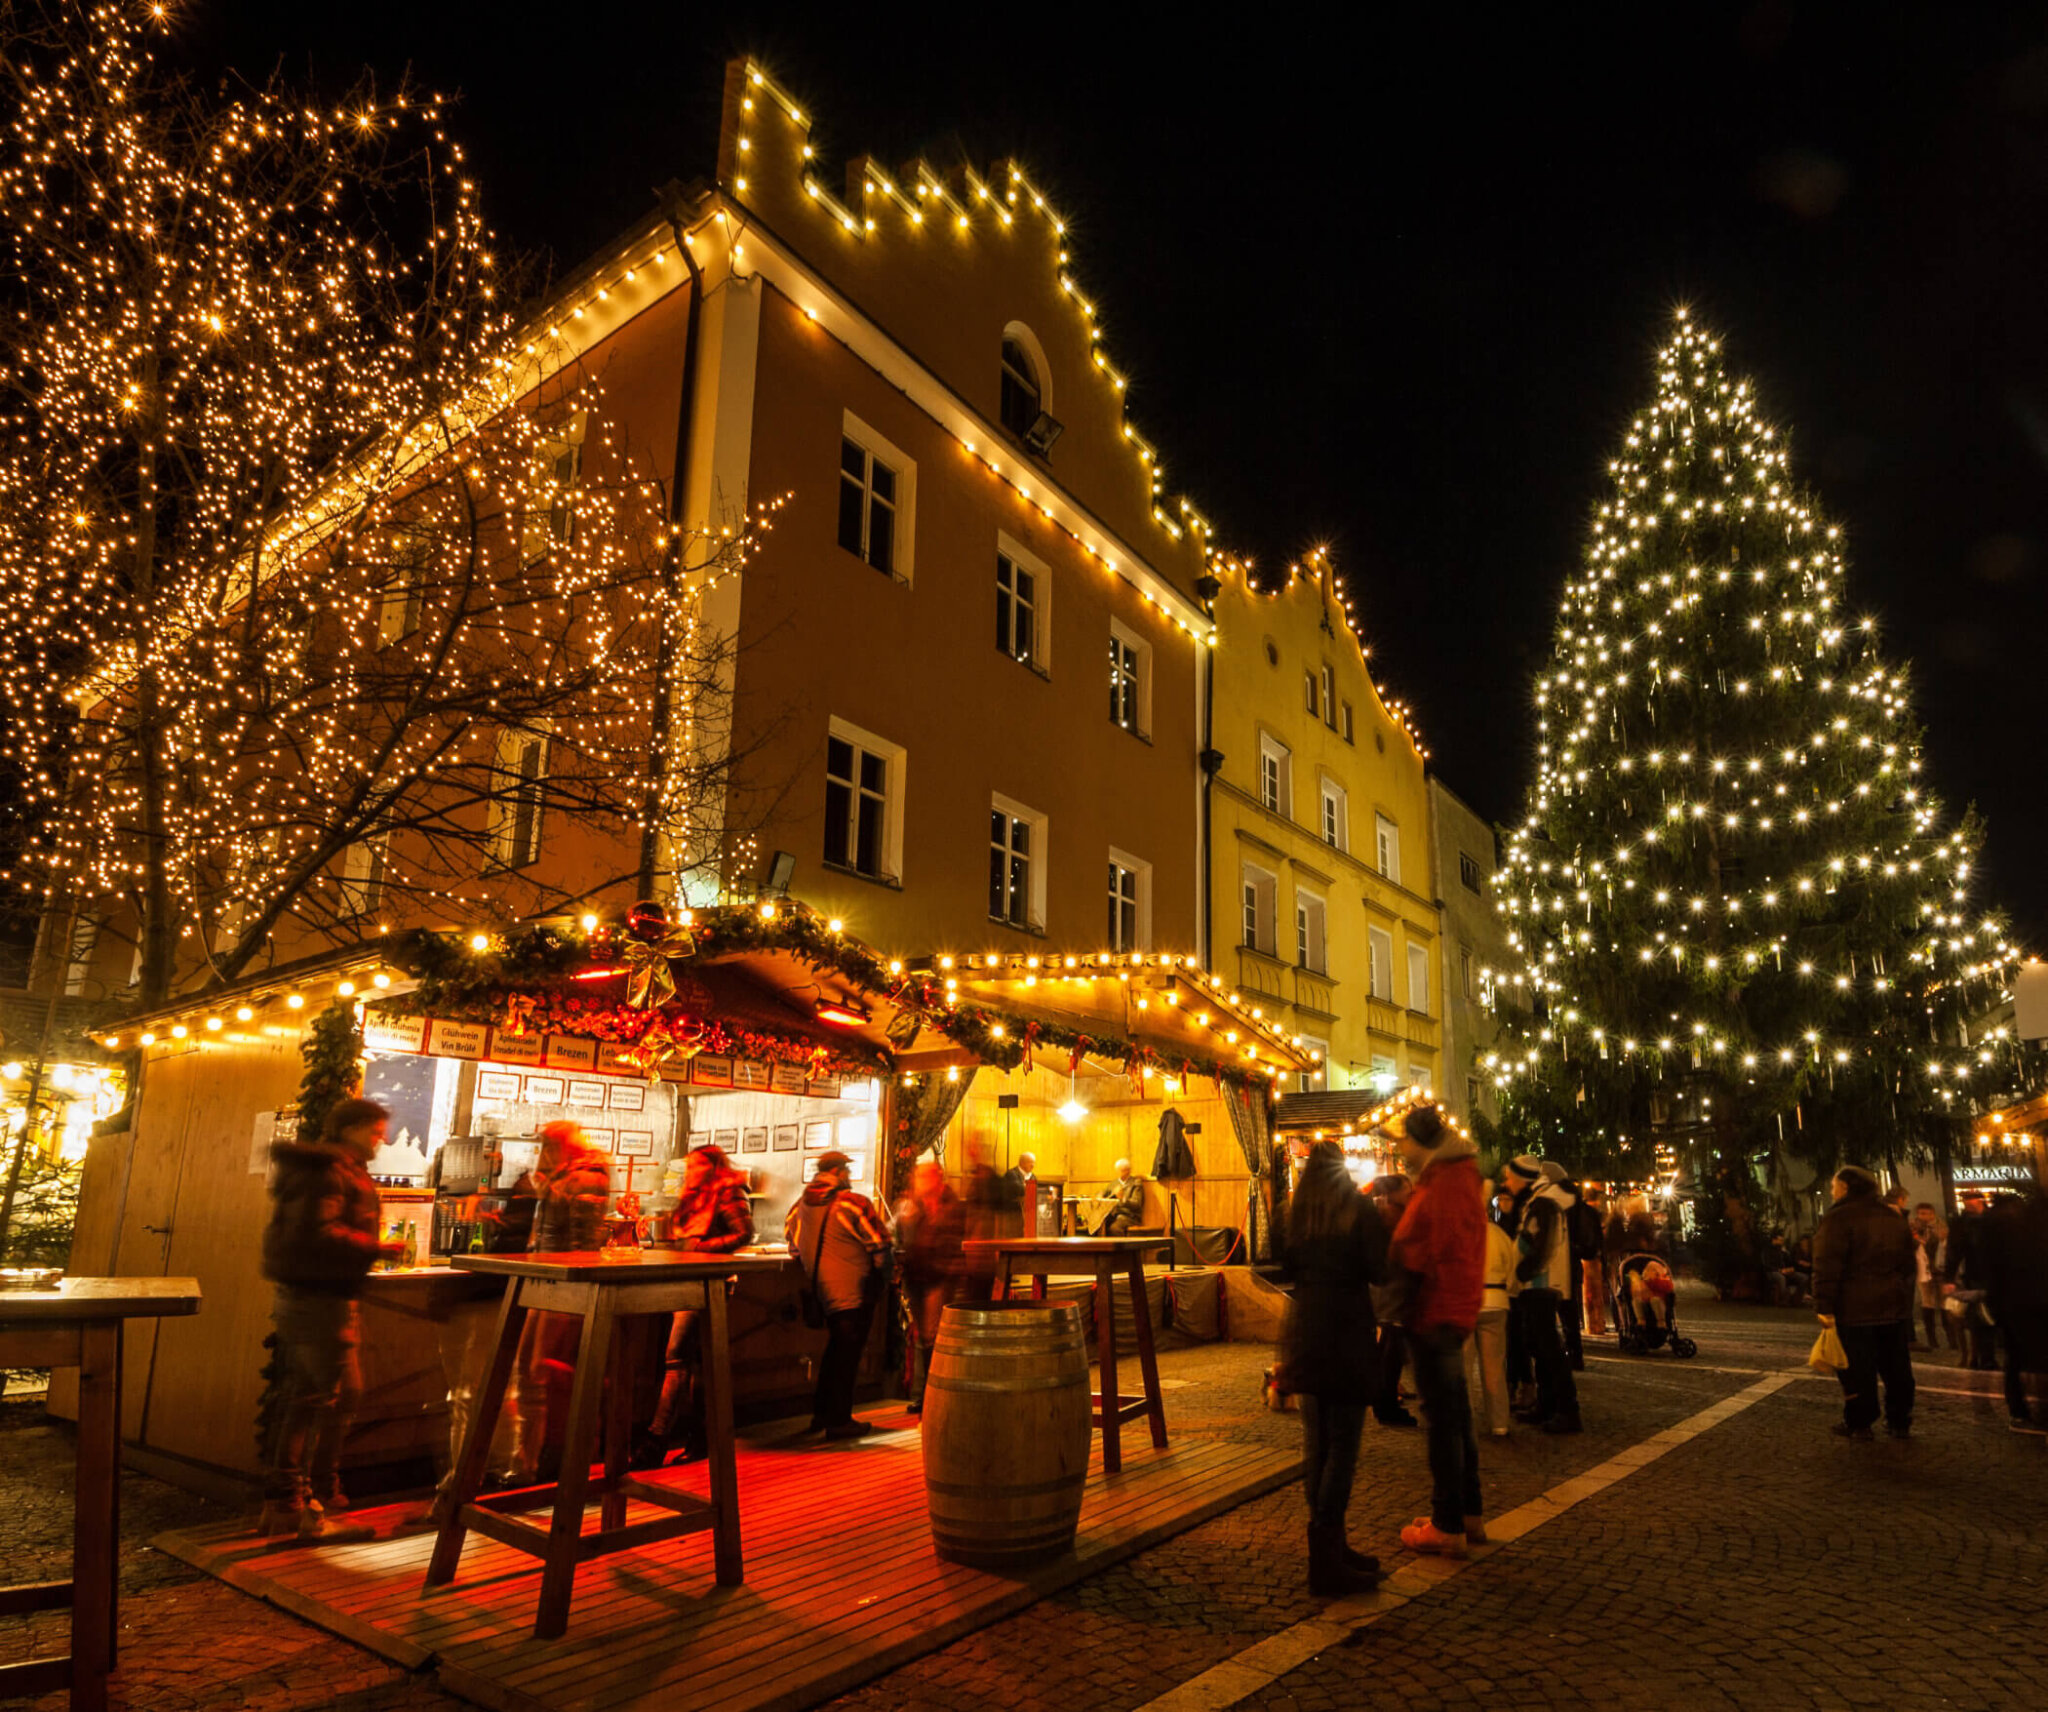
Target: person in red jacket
[(1441, 1243), (712, 1216)]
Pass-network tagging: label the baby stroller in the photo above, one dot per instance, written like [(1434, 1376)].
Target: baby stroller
[(1645, 1308)]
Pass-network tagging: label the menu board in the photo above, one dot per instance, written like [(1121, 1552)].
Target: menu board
[(787, 1078), (711, 1070), (746, 1073), (457, 1039), (383, 1032), (516, 1048)]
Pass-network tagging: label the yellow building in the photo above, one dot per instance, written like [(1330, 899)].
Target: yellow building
[(1321, 896)]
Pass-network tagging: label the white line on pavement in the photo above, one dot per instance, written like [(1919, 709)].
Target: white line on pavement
[(1265, 1662)]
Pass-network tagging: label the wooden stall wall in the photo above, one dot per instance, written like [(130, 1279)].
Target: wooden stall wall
[(182, 1194), (1121, 1124)]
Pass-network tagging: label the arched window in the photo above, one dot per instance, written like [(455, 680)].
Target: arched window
[(1022, 389)]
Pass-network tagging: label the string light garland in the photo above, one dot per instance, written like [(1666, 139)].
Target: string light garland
[(324, 575), (1732, 871)]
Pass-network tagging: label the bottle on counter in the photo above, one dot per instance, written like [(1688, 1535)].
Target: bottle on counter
[(412, 1243)]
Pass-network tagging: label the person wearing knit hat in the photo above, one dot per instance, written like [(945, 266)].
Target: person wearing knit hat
[(1541, 1229), (1441, 1243)]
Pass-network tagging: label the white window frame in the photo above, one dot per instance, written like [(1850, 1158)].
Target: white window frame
[(1040, 657), (894, 759), (1418, 969), (1037, 858), (1384, 1075), (1386, 848), (876, 444), (1329, 695), (1380, 963), (1276, 755), (1140, 651), (1311, 932), (509, 850), (1140, 872), (1334, 823), (363, 868), (1259, 897), (557, 474)]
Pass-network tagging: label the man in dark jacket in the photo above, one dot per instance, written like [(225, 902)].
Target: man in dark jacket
[(2013, 1248), (1864, 1271), (318, 1247), (1963, 1278), (840, 1242)]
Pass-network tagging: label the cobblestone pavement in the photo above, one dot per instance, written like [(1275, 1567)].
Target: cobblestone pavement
[(1762, 1564)]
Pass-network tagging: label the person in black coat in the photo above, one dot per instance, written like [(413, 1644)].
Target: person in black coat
[(2013, 1256), (1337, 1250), (1864, 1273)]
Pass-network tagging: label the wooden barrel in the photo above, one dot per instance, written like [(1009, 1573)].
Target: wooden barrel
[(1007, 1420)]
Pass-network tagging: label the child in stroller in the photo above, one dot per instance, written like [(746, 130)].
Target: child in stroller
[(1644, 1303)]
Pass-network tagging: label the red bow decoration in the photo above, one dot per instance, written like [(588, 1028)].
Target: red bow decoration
[(1074, 1058)]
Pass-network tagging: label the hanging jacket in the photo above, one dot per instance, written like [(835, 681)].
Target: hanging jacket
[(1543, 1239), (1174, 1158)]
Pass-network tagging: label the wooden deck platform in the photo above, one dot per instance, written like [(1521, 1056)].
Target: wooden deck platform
[(842, 1582)]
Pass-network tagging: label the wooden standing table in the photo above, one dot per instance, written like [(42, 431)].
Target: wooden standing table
[(78, 1324), (1105, 1256), (600, 1291)]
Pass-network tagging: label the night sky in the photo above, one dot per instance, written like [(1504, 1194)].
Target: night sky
[(1393, 283)]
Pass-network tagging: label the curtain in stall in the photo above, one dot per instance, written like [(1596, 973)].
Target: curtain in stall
[(1249, 1121)]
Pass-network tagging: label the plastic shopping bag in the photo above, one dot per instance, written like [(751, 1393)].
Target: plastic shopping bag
[(1827, 1355)]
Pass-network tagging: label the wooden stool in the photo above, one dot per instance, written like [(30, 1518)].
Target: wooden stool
[(599, 1292), (1105, 1256), (79, 1325)]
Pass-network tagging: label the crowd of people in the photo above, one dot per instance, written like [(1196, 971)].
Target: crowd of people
[(1883, 1274)]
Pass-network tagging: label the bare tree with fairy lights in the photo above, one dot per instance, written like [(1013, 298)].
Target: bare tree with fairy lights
[(1743, 924), (330, 595)]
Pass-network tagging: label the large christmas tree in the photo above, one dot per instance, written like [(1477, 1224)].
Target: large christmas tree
[(1742, 920)]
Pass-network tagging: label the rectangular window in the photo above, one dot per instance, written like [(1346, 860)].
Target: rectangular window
[(1418, 978), (1329, 698), (1336, 827), (1312, 1079), (1276, 780), (1465, 970), (1308, 681), (517, 798), (1387, 852), (1130, 679), (404, 595), (1381, 970), (362, 874), (551, 499), (863, 802), (1016, 864), (1471, 1093), (1468, 872), (1385, 1078), (1344, 724), (1310, 920), (1486, 988), (1261, 892), (856, 806), (1128, 885), (1016, 610), (867, 506)]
